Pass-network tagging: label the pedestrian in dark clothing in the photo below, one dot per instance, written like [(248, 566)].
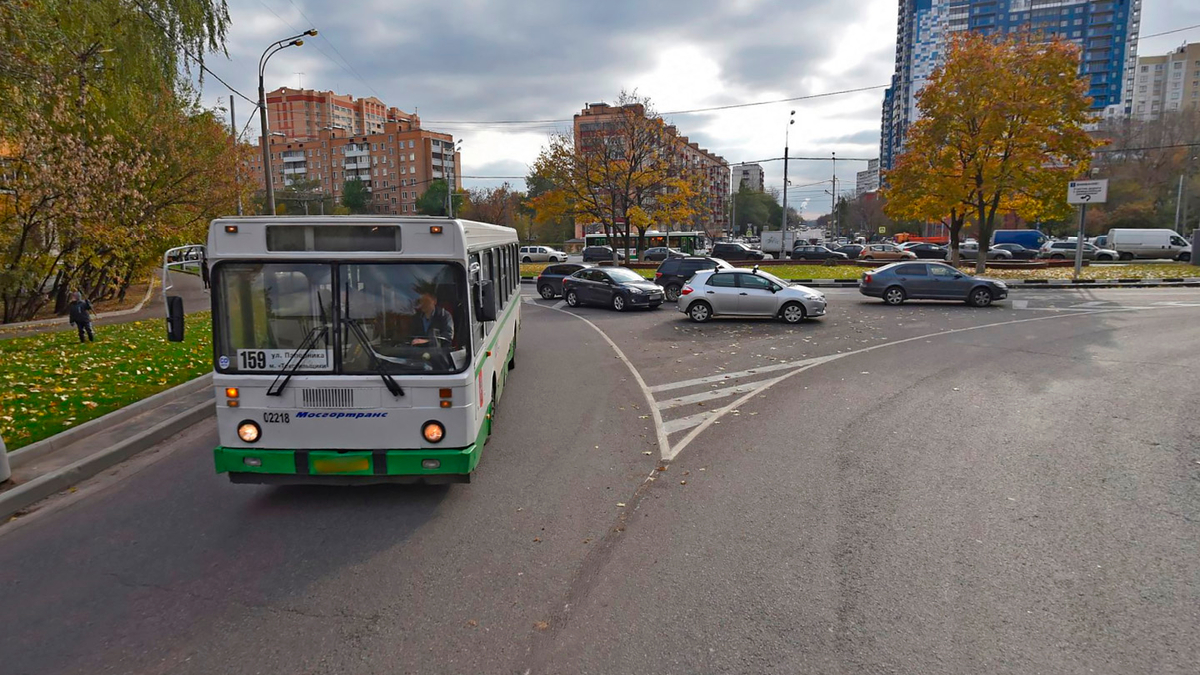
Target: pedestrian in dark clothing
[(204, 271), (79, 313)]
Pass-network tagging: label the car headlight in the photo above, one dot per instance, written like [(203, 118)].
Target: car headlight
[(248, 431), (636, 291)]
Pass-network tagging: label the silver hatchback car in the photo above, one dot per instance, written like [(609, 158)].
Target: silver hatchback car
[(747, 292)]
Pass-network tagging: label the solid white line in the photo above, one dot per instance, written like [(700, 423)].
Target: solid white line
[(563, 303), (682, 384), (675, 426), (702, 396), (1020, 304), (664, 446)]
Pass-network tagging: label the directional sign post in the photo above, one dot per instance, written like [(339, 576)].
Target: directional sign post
[(1084, 192)]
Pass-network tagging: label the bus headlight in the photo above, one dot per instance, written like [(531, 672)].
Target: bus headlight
[(433, 432), (248, 431)]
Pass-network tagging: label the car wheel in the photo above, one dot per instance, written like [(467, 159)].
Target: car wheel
[(1059, 256), (1104, 257), (894, 295), (980, 297), (546, 292), (572, 299), (672, 292), (1126, 256), (618, 302), (793, 312), (526, 259), (868, 257), (700, 311), (1186, 256)]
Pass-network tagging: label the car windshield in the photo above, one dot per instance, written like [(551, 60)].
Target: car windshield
[(774, 278), (623, 275)]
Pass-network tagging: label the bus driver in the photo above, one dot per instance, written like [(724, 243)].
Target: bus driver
[(431, 321)]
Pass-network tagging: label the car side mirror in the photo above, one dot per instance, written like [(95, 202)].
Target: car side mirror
[(174, 318), (485, 306), (958, 276)]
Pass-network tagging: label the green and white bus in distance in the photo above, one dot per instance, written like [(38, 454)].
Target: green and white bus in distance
[(359, 349)]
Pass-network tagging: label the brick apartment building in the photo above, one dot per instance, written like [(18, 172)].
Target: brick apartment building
[(596, 118), (328, 138)]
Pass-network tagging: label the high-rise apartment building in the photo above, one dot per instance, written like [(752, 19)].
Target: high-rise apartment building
[(867, 181), (599, 120), (750, 175), (1167, 83), (302, 113), (1106, 31)]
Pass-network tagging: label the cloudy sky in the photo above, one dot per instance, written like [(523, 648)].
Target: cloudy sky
[(469, 66)]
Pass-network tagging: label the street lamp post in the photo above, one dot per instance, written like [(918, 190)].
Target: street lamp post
[(788, 128), (449, 179), (293, 41)]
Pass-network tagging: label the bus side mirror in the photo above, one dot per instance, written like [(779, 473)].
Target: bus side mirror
[(485, 308), (174, 318)]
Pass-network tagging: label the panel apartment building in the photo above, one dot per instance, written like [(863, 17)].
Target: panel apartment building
[(597, 119), (1106, 30), (328, 139), (1168, 83)]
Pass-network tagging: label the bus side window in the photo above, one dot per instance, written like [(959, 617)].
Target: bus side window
[(476, 325), (502, 287)]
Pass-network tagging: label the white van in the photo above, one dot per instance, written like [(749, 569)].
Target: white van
[(1149, 243)]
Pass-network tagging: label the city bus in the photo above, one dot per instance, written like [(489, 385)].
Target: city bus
[(352, 349), (688, 242)]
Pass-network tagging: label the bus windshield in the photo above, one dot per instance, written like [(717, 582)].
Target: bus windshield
[(394, 318)]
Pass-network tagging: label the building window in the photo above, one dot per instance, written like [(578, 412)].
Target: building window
[(410, 143)]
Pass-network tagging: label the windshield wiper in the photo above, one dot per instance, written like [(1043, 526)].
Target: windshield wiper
[(310, 341), (388, 380)]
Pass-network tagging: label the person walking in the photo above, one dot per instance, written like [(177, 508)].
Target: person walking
[(79, 313), (204, 270)]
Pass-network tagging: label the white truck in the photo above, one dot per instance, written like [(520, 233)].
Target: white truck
[(1130, 243), (780, 244)]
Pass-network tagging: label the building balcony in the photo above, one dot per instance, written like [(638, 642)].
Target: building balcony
[(293, 156), (294, 170), (352, 151)]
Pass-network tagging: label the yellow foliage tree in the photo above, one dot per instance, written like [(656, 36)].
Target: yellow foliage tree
[(1001, 130), (628, 175)]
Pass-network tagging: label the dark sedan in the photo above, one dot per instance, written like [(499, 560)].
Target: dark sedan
[(615, 287), (600, 254), (808, 252), (902, 281), (1018, 251), (661, 253), (851, 251), (549, 282), (928, 251)]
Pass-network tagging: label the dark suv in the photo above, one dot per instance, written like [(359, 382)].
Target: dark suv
[(600, 254), (673, 273), (735, 251)]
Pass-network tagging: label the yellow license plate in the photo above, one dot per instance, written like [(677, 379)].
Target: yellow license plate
[(341, 465)]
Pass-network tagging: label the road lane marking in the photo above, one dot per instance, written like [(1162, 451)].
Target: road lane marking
[(683, 423), (683, 384), (701, 397), (563, 303), (1020, 304)]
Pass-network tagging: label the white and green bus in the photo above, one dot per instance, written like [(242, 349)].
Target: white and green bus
[(359, 349)]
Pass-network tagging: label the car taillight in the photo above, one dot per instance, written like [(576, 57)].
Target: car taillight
[(867, 278), (657, 275), (686, 290)]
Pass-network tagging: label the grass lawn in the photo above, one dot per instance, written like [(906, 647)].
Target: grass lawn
[(51, 382), (1135, 271)]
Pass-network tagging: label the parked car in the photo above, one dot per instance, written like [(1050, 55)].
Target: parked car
[(549, 282), (927, 251), (1099, 242), (1018, 251), (1149, 243), (1028, 238), (531, 254), (852, 251), (886, 252), (660, 253), (742, 292), (898, 282), (1061, 250), (673, 273), (735, 251), (600, 254), (616, 287), (970, 251), (807, 252)]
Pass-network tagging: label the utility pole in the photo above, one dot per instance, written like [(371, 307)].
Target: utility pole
[(237, 172), (1178, 202), (837, 231), (783, 226)]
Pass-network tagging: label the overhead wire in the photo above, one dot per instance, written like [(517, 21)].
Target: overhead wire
[(320, 34)]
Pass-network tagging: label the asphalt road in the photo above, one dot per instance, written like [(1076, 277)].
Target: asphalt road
[(922, 489)]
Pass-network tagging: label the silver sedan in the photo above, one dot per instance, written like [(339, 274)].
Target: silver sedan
[(747, 292)]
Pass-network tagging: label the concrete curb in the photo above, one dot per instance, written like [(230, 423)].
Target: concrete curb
[(63, 319), (47, 446), (51, 483)]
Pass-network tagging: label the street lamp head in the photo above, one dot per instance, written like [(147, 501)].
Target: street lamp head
[(312, 32), (297, 43)]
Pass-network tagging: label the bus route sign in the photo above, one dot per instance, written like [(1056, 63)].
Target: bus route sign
[(1087, 191)]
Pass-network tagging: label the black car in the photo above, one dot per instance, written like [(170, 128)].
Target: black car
[(929, 251), (600, 254), (616, 287), (660, 253), (809, 252), (549, 282), (851, 251), (1018, 251), (673, 273), (735, 251)]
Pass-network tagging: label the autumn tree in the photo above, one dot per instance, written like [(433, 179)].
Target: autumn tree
[(1001, 130), (355, 196), (628, 174)]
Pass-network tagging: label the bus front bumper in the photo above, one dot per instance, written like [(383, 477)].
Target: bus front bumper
[(352, 467)]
